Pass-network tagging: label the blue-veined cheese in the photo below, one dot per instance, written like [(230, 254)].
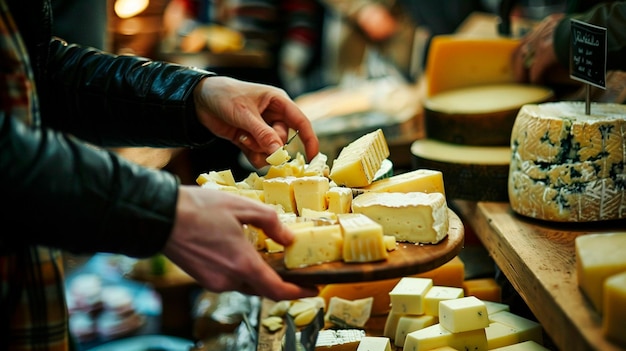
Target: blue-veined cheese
[(314, 245), (463, 314), (567, 166), (357, 163), (362, 238), (349, 313), (411, 217)]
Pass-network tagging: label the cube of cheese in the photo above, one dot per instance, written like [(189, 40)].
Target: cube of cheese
[(391, 324), (410, 217), (463, 314), (339, 199), (409, 323), (279, 191), (374, 343), (314, 245), (598, 256), (437, 336), (614, 318), (408, 296), (419, 180), (310, 192), (357, 163), (437, 294), (362, 238), (526, 328)]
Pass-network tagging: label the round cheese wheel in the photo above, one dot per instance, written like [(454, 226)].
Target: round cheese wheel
[(475, 173), (479, 115), (569, 166)]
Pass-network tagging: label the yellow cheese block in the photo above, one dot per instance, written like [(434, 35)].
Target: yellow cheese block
[(483, 288), (357, 163), (614, 318), (408, 296), (411, 217), (463, 314), (419, 180), (310, 192), (374, 343), (500, 335), (314, 245), (362, 238), (598, 256), (566, 165), (279, 191), (458, 61), (437, 336), (525, 328), (522, 346), (408, 324), (339, 199)]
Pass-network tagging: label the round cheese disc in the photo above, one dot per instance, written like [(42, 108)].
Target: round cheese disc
[(479, 115), (475, 173), (569, 166)]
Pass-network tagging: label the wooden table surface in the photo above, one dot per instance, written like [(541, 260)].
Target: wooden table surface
[(539, 259)]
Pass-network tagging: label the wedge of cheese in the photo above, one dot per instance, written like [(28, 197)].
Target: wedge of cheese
[(357, 163), (410, 217), (569, 166), (419, 180)]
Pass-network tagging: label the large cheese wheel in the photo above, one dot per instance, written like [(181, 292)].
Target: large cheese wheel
[(569, 166), (479, 115), (475, 173)]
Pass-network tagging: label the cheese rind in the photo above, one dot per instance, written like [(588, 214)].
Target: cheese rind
[(411, 217), (567, 166)]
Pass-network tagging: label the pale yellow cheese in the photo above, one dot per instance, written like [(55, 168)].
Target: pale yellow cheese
[(390, 242), (374, 343), (279, 191), (391, 324), (293, 168), (566, 165), (362, 238), (357, 163), (325, 216), (437, 294), (457, 61), (339, 199), (598, 256), (463, 314), (523, 346), (310, 192), (614, 318), (313, 246), (318, 166), (419, 180), (437, 336), (500, 335), (408, 296), (278, 157), (526, 329), (410, 217), (409, 323), (272, 247), (495, 307), (353, 313)]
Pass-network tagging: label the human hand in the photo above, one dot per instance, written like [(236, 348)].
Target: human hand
[(534, 60), (208, 242), (255, 117), (376, 21)]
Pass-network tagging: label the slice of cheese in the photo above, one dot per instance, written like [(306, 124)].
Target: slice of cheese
[(526, 329), (357, 163), (419, 180), (339, 199), (463, 314), (598, 256), (614, 318), (310, 192), (500, 335), (349, 313), (437, 294), (458, 61), (410, 217), (408, 296), (278, 157), (313, 246), (437, 336), (374, 343), (408, 324), (568, 166), (362, 238)]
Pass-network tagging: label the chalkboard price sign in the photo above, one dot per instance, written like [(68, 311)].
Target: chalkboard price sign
[(588, 54)]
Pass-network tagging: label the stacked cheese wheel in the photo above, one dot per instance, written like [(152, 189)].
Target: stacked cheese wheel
[(469, 112), (569, 166)]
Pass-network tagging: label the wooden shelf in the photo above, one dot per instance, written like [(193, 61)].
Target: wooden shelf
[(539, 259)]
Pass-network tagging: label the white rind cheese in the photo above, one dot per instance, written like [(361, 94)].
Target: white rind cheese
[(414, 217), (567, 166)]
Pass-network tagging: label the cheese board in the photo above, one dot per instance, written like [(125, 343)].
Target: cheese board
[(406, 259)]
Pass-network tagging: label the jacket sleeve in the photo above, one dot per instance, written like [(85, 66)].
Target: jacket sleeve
[(113, 100), (610, 15)]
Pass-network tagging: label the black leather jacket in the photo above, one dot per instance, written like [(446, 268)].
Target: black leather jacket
[(58, 190)]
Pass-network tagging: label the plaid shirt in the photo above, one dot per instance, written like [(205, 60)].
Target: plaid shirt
[(33, 311)]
